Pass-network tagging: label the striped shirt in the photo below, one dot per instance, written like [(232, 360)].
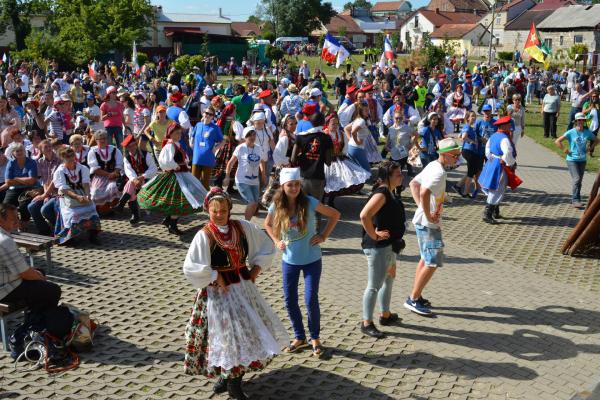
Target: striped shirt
[(12, 264), (57, 125)]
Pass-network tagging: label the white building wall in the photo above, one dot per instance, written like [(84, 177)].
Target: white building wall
[(415, 31)]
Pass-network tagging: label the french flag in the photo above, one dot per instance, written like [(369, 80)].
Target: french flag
[(92, 70), (387, 48), (330, 49)]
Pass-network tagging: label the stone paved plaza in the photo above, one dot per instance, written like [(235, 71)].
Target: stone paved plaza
[(515, 318)]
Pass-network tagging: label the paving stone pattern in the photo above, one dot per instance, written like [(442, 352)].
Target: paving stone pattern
[(515, 319)]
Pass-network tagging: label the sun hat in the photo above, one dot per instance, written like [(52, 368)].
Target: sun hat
[(580, 116), (292, 88), (258, 116), (289, 174), (248, 130), (447, 145)]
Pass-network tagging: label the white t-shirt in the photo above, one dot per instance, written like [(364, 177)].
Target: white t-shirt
[(433, 177), (94, 111), (362, 134), (25, 83), (248, 162)]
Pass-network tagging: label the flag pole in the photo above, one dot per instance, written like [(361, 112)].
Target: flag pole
[(492, 33)]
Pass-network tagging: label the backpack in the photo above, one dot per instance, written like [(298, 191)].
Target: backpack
[(51, 339)]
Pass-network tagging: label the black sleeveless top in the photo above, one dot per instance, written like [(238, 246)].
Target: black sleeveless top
[(138, 168), (75, 185), (108, 166), (390, 217), (220, 259)]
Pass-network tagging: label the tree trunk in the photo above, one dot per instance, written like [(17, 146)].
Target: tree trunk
[(594, 191)]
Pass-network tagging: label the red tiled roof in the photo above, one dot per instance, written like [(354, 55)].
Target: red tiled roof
[(387, 5), (340, 21), (476, 5), (245, 28), (453, 31), (443, 18)]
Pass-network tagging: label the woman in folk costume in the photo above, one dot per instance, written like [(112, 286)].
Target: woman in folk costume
[(139, 168), (175, 192), (76, 211), (457, 103), (231, 129), (343, 176), (498, 171), (375, 114), (106, 164), (232, 330)]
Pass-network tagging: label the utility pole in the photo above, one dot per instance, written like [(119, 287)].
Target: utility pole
[(492, 33)]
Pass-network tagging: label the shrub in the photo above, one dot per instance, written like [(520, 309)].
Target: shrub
[(577, 49), (274, 53), (505, 55), (185, 63)]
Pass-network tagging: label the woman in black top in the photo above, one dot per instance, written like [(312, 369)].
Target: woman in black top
[(383, 220)]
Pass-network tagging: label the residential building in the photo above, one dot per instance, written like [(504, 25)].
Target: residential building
[(358, 26), (479, 7), (245, 29), (516, 31), (464, 36), (424, 21), (391, 8), (571, 25), (503, 15)]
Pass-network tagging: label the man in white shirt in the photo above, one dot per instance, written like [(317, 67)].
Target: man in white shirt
[(428, 190), (92, 113)]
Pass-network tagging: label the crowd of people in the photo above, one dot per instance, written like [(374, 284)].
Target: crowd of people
[(77, 148)]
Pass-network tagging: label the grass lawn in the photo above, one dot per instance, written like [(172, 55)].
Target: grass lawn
[(535, 129)]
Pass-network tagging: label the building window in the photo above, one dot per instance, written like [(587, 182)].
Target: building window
[(416, 20), (561, 40), (578, 39), (498, 20), (548, 43)]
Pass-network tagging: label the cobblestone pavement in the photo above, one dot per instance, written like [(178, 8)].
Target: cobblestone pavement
[(515, 319)]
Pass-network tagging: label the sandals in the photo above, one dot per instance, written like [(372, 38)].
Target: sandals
[(318, 351), (294, 348)]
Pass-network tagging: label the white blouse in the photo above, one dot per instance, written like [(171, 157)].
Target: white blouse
[(62, 172), (197, 265), (104, 156)]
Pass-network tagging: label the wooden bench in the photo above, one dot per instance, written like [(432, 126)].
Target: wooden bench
[(7, 310), (34, 243)]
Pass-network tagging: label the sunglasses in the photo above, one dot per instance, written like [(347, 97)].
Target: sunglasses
[(209, 114)]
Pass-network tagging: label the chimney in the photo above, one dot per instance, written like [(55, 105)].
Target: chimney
[(437, 10), (220, 12)]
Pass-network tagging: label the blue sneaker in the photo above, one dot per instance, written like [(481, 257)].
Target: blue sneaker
[(474, 194), (417, 307)]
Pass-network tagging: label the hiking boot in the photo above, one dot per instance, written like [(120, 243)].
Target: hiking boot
[(371, 330)]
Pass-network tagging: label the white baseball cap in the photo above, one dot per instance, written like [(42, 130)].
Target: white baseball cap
[(315, 92)]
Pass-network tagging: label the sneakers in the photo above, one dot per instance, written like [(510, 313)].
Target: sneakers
[(391, 320), (458, 190), (417, 307), (577, 204), (474, 194), (371, 330)]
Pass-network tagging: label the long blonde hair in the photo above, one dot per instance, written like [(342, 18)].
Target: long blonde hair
[(281, 218)]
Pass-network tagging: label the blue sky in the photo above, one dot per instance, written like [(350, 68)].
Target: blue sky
[(237, 10)]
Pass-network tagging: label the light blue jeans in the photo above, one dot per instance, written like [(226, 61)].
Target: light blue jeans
[(380, 282)]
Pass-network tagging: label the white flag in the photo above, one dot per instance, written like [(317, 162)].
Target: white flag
[(342, 55), (382, 61), (590, 59), (4, 58), (134, 62)]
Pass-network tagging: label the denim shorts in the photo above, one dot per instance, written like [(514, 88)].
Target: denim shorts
[(249, 193), (431, 246)]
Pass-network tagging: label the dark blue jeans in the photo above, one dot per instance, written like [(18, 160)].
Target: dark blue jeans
[(574, 110), (312, 276), (43, 215), (115, 135)]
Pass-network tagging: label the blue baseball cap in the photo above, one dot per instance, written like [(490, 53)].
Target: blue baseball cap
[(486, 107), (90, 97)]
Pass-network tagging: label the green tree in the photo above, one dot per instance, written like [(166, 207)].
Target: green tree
[(434, 55), (77, 31), (204, 47), (17, 14), (342, 31), (578, 49), (359, 4), (254, 19), (274, 53), (297, 17)]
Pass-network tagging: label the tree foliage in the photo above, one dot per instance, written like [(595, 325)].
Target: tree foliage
[(434, 55), (577, 50), (77, 31), (17, 15), (274, 53), (186, 63), (296, 17), (359, 4)]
